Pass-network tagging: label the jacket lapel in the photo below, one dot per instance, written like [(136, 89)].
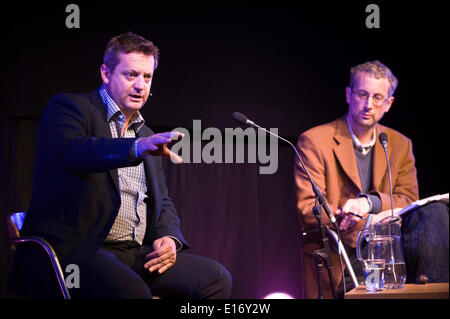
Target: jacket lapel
[(103, 129), (345, 154), (379, 161)]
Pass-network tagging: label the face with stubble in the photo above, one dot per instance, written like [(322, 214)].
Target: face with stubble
[(130, 82), (368, 101)]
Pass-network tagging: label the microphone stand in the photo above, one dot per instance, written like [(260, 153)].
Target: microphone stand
[(394, 219), (320, 255)]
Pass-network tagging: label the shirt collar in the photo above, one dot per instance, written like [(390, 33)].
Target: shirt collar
[(113, 110), (357, 144)]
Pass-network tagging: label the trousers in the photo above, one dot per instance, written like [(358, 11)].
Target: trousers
[(425, 239), (117, 271)]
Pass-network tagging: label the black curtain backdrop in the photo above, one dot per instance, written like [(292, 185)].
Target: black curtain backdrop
[(286, 66)]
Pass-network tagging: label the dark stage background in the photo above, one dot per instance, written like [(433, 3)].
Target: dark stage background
[(284, 65)]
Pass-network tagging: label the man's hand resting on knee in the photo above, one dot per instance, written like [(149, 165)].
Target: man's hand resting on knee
[(163, 256)]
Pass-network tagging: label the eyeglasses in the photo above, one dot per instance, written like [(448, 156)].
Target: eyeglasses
[(377, 99)]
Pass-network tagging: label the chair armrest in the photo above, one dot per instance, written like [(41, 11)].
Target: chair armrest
[(51, 254), (341, 248)]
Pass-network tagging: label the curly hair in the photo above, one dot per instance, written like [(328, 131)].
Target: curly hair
[(377, 70)]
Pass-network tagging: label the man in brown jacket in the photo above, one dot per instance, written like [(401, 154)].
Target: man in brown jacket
[(346, 161)]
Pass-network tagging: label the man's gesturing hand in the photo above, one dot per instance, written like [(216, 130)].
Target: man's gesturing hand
[(163, 256), (157, 145)]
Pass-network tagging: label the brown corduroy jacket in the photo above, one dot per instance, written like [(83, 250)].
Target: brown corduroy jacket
[(328, 154)]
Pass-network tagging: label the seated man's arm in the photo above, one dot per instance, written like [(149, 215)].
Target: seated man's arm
[(311, 156), (67, 138)]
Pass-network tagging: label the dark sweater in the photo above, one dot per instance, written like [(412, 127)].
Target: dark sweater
[(365, 165)]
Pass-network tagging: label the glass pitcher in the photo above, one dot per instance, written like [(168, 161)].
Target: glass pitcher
[(385, 243)]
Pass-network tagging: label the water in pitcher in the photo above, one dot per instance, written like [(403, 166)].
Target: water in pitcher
[(374, 274), (394, 275), (389, 247), (385, 243)]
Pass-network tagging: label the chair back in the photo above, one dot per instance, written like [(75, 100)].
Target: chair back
[(14, 221)]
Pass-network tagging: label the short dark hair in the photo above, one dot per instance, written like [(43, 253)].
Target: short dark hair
[(127, 43)]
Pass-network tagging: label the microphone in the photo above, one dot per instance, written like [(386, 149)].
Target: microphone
[(384, 141), (241, 118)]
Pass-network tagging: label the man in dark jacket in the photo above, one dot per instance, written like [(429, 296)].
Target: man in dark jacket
[(100, 196)]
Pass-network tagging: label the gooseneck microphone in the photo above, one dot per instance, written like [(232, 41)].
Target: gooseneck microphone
[(384, 142), (242, 119)]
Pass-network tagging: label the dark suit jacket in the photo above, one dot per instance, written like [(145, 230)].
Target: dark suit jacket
[(75, 196)]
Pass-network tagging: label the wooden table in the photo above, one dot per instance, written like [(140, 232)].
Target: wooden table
[(409, 291)]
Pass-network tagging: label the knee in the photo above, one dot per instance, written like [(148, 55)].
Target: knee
[(224, 280), (135, 290), (217, 282), (436, 217), (435, 211), (427, 227), (433, 216)]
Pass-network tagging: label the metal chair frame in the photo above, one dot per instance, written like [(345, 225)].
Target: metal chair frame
[(332, 234), (16, 240), (341, 248)]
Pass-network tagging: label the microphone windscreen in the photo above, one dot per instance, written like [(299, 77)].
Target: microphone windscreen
[(383, 138), (239, 117)]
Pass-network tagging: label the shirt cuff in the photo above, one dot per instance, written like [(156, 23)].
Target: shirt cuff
[(134, 151), (374, 202), (178, 243)]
